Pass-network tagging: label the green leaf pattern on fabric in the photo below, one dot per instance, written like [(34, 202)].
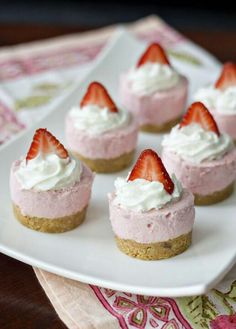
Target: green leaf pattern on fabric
[(32, 102), (200, 310), (184, 57), (41, 94)]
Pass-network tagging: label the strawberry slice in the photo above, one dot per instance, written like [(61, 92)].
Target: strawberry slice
[(154, 54), (198, 113), (150, 167), (227, 77), (45, 143), (97, 94)]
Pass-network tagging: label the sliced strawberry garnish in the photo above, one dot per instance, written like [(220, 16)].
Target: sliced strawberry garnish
[(45, 143), (154, 54), (198, 113), (97, 94), (227, 77), (150, 167)]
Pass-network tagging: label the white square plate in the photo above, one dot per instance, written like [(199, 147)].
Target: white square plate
[(89, 253)]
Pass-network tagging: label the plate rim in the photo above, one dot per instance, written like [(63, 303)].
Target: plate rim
[(198, 289)]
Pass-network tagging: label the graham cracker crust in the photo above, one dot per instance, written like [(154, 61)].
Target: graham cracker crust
[(107, 165), (57, 225), (150, 128), (155, 251), (204, 200)]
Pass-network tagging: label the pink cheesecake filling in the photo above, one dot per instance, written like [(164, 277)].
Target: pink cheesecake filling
[(156, 225), (157, 108), (108, 145), (226, 123), (204, 178), (53, 203)]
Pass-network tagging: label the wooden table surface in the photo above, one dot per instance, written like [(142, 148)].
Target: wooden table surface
[(23, 304)]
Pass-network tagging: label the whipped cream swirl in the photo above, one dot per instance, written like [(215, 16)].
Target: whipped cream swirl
[(96, 120), (152, 77), (49, 173), (223, 101), (143, 195), (194, 144)]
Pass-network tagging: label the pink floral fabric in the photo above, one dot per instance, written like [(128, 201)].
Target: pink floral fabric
[(64, 58), (224, 322), (135, 311), (82, 306), (9, 124)]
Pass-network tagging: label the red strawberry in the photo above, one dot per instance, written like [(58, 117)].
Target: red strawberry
[(227, 77), (97, 94), (154, 54), (198, 113), (45, 143), (150, 167)]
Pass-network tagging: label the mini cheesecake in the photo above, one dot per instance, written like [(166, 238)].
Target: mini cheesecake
[(50, 190), (220, 98), (101, 135), (154, 92), (151, 215), (202, 158)]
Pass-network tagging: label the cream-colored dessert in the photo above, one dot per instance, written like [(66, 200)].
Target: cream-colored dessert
[(100, 134), (50, 190), (220, 99), (202, 158), (151, 215), (153, 91)]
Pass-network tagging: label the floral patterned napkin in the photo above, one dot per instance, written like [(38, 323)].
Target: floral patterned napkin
[(34, 78), (82, 306)]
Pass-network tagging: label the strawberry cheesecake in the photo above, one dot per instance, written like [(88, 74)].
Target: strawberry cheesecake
[(154, 91), (101, 135), (151, 215), (202, 158), (50, 190), (220, 98)]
